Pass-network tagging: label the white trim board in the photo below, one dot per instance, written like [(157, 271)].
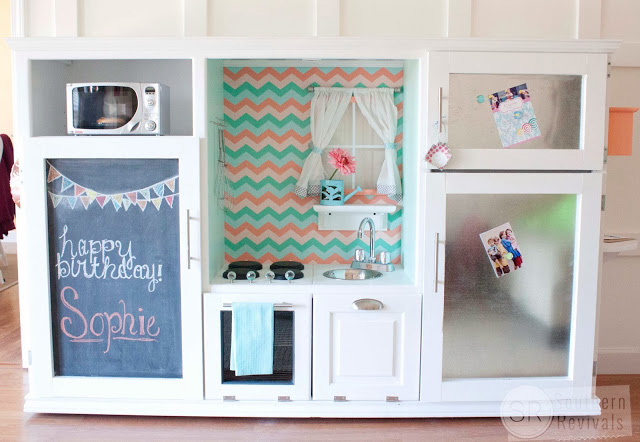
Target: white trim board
[(302, 48), (312, 63), (619, 360), (293, 409)]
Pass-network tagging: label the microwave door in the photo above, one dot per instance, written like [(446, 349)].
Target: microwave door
[(105, 109)]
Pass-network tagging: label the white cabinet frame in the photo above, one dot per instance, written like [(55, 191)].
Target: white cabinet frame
[(592, 68), (578, 383), (43, 383)]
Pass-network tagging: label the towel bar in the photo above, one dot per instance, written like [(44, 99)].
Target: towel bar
[(281, 305)]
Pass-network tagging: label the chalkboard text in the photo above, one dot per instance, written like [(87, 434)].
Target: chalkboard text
[(103, 326), (103, 259)]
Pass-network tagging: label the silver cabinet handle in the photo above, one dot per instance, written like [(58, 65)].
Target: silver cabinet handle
[(435, 265), (367, 304), (277, 305), (188, 240), (189, 257), (440, 110)]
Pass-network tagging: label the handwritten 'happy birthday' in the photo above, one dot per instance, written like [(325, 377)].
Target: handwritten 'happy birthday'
[(103, 259)]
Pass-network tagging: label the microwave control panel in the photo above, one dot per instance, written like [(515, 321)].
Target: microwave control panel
[(155, 109)]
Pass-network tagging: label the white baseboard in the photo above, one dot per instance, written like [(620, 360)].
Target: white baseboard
[(619, 360), (297, 409)]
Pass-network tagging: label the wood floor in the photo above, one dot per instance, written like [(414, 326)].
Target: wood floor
[(16, 425), (10, 353)]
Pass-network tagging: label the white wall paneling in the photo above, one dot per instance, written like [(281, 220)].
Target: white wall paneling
[(66, 18), (327, 18), (17, 18), (40, 18), (194, 18), (588, 18), (126, 18), (522, 20), (620, 19), (400, 18), (459, 13), (256, 18)]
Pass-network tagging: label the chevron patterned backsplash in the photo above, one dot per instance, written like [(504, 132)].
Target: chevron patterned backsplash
[(266, 110)]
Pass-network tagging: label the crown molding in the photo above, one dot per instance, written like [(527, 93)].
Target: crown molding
[(303, 48)]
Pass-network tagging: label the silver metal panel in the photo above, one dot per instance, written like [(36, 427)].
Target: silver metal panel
[(556, 101), (517, 325)]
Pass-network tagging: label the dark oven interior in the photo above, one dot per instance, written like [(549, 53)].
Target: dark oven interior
[(283, 322)]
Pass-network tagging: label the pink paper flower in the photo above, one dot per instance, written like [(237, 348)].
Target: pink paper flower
[(342, 161)]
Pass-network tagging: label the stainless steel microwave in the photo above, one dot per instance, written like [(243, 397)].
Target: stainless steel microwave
[(117, 109)]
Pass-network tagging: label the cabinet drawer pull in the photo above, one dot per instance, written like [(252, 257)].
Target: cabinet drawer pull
[(367, 304), (188, 240), (189, 257), (435, 263), (440, 110)]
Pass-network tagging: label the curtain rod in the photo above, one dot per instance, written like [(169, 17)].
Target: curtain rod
[(312, 88)]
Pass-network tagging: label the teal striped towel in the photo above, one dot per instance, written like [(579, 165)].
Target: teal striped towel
[(252, 338)]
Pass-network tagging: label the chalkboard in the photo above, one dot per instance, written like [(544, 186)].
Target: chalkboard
[(114, 267)]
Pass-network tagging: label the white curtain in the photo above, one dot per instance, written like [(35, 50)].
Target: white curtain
[(328, 105), (378, 108)]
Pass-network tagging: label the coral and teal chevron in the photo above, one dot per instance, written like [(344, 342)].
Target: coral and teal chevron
[(267, 113)]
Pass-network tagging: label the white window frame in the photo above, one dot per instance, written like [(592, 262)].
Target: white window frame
[(353, 145)]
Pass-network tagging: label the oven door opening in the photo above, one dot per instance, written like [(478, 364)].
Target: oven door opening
[(283, 352)]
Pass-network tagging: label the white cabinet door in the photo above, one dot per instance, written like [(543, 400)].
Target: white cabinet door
[(366, 354), (549, 113), (113, 247), (489, 326)]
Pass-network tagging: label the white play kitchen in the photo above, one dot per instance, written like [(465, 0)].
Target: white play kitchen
[(310, 227)]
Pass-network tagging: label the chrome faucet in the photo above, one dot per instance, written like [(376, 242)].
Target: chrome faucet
[(372, 237), (371, 263)]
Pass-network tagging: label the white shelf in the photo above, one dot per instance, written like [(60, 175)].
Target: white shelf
[(349, 216), (623, 248), (356, 208)]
